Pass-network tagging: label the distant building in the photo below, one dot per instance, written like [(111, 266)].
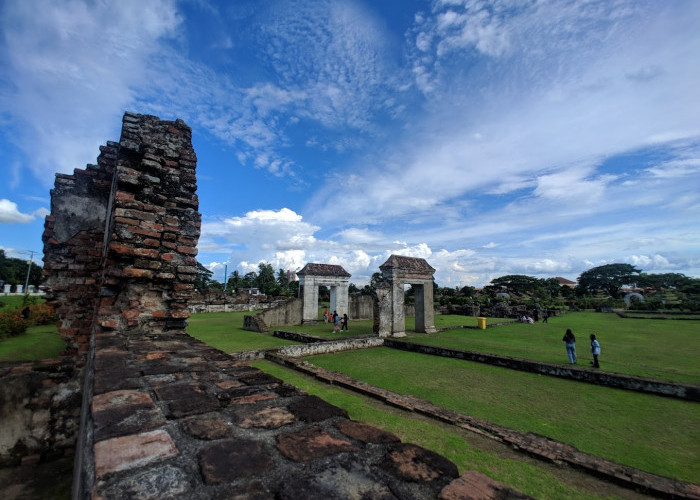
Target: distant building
[(565, 282)]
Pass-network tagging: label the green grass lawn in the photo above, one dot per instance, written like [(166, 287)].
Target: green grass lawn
[(521, 473), (39, 342), (656, 434), (8, 302), (364, 327), (660, 349), (225, 332)]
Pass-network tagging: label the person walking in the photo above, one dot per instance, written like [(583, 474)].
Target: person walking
[(345, 323), (570, 345), (336, 322), (595, 350)]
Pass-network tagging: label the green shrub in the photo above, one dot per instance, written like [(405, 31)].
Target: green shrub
[(41, 314), (12, 324)]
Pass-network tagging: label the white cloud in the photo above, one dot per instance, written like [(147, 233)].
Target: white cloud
[(72, 68), (10, 214)]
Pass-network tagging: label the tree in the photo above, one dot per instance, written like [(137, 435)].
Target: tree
[(202, 280), (352, 288), (551, 286), (266, 279), (610, 278), (234, 282), (516, 283), (14, 271), (376, 279), (249, 280), (664, 280)]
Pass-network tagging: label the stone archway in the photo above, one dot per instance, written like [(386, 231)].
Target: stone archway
[(398, 271), (633, 295), (314, 275)]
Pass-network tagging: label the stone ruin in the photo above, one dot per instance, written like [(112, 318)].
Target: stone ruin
[(314, 275), (121, 240), (389, 317), (164, 415)]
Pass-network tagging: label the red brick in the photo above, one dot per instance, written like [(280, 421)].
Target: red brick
[(187, 250), (126, 221), (131, 272), (128, 452)]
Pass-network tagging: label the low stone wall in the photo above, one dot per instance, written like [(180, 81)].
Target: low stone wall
[(40, 408), (533, 444), (200, 307), (628, 382), (285, 313), (328, 346), (174, 418)]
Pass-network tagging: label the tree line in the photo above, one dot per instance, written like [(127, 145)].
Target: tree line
[(13, 271), (605, 282)]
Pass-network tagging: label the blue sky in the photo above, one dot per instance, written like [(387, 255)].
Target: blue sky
[(490, 138)]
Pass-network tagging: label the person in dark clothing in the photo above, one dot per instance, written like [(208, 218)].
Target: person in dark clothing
[(570, 345), (345, 323)]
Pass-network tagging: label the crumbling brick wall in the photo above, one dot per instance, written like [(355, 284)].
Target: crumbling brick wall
[(73, 243), (120, 243), (150, 263)]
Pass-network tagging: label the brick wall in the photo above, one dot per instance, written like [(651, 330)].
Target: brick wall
[(120, 243)]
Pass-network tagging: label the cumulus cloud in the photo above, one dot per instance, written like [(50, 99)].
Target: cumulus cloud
[(10, 214)]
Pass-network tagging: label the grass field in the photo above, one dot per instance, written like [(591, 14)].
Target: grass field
[(469, 452), (659, 435), (39, 342), (656, 434), (659, 349), (225, 332)]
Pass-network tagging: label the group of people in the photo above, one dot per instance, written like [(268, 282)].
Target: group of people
[(339, 322), (570, 340), (526, 318)]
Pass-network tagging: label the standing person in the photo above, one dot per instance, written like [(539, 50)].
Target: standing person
[(570, 345), (345, 322), (545, 316), (336, 322), (595, 350), (325, 315)]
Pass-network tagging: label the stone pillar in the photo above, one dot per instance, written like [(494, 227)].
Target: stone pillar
[(6, 288), (20, 288), (398, 317), (334, 299), (310, 300), (425, 313), (382, 310), (342, 303)]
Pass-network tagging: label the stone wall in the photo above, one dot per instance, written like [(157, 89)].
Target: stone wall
[(164, 415), (73, 239), (288, 312), (40, 405), (150, 263)]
